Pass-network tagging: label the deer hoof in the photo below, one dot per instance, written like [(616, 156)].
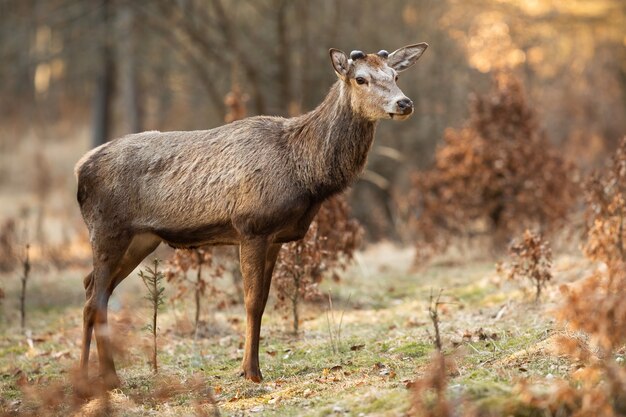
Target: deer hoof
[(254, 376), (111, 381), (83, 389)]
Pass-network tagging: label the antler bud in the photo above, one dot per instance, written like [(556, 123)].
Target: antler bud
[(354, 55), (383, 54)]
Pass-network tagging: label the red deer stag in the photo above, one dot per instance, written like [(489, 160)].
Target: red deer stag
[(256, 183)]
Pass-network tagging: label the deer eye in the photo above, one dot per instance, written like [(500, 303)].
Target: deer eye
[(396, 78), (360, 80)]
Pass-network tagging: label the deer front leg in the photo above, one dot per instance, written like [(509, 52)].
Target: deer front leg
[(270, 262), (253, 254)]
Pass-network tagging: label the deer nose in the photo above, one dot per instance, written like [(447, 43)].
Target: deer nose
[(405, 105)]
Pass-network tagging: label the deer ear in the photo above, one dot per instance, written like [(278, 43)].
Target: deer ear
[(405, 57), (340, 62)]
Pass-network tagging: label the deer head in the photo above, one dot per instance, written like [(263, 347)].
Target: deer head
[(370, 80)]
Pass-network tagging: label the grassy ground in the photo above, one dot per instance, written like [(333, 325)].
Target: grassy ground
[(497, 334)]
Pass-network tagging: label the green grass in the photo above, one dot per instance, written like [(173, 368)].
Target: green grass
[(386, 341), (414, 349)]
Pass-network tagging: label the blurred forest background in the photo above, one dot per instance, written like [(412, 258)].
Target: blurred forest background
[(89, 71), (518, 137)]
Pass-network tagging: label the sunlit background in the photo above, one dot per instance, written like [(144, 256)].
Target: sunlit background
[(77, 73)]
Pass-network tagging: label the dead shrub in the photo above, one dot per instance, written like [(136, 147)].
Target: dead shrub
[(168, 387), (605, 195), (76, 396), (429, 392), (596, 305), (563, 398), (207, 267), (328, 247), (64, 397), (429, 397), (530, 259), (496, 176)]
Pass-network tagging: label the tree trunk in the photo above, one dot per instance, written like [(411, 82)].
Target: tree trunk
[(249, 69), (304, 50), (104, 83), (128, 71), (283, 59)]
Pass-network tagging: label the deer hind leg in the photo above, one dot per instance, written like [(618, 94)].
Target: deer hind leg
[(89, 315), (107, 254), (140, 246), (253, 254)]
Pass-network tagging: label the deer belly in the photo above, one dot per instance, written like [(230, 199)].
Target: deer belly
[(209, 234)]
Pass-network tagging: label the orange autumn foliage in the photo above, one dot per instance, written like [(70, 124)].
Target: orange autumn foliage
[(328, 247), (498, 175)]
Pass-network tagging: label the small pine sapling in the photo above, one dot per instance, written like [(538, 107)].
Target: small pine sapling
[(153, 280), (328, 246), (531, 258)]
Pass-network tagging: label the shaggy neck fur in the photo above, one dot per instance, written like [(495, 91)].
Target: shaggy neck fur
[(330, 144)]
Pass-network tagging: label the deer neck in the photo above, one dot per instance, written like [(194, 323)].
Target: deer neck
[(330, 143)]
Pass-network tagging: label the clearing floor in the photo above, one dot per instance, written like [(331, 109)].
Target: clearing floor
[(356, 359)]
